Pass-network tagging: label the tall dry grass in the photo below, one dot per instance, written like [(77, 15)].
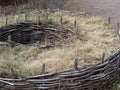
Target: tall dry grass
[(95, 36)]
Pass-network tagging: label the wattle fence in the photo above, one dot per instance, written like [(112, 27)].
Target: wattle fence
[(92, 77), (89, 77)]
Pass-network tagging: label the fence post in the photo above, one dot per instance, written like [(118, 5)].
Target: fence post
[(109, 20), (76, 64), (39, 19), (6, 22), (75, 24), (118, 26), (25, 16), (103, 57), (43, 68), (17, 19), (12, 72), (46, 42), (47, 16), (61, 21)]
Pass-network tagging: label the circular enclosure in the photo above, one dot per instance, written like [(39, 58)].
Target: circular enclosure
[(35, 34)]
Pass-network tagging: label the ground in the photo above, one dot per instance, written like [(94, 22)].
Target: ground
[(94, 37)]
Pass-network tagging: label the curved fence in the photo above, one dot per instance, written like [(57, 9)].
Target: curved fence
[(92, 77), (35, 34)]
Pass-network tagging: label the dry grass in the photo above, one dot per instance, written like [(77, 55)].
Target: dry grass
[(94, 38)]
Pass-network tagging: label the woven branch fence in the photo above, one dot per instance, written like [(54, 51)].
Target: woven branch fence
[(88, 77), (92, 77), (35, 34)]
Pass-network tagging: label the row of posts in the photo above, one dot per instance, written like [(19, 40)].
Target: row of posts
[(61, 21), (47, 19), (117, 26), (75, 26), (75, 66)]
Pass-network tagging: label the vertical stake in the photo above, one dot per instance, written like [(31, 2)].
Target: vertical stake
[(25, 17), (109, 20), (12, 72), (17, 19), (39, 19), (43, 68), (76, 64), (118, 26), (75, 24), (61, 21), (46, 43), (47, 16), (6, 21), (77, 32), (103, 57)]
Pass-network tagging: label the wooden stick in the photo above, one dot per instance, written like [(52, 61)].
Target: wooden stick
[(75, 24), (39, 19), (109, 20), (103, 57), (6, 21), (47, 16), (76, 64), (12, 72), (17, 19), (118, 26), (43, 68), (25, 17), (46, 43), (61, 21)]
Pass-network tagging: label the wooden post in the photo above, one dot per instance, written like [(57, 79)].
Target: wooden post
[(75, 24), (76, 29), (61, 21), (47, 16), (39, 19), (12, 72), (17, 19), (6, 22), (25, 17), (46, 43), (76, 64), (109, 20), (43, 68), (103, 57), (118, 26)]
